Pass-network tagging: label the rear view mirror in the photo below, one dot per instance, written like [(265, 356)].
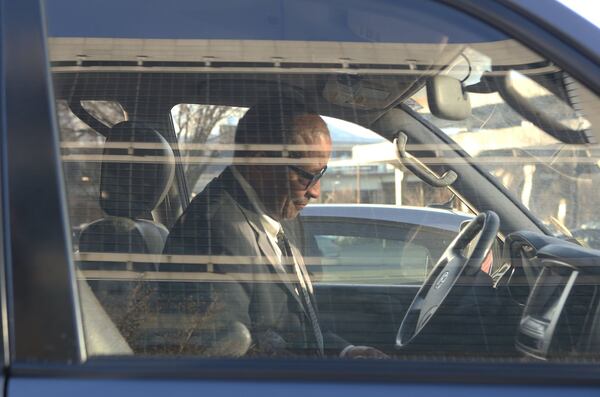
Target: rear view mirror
[(447, 99)]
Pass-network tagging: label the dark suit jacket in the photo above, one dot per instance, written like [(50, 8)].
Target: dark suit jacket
[(246, 287)]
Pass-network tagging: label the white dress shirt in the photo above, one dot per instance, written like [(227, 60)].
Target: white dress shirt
[(272, 228)]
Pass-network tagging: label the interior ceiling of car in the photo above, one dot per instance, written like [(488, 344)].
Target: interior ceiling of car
[(79, 50), (357, 81)]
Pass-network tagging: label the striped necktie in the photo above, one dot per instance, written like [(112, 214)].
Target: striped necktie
[(286, 251)]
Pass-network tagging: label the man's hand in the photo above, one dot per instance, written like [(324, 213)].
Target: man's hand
[(363, 352)]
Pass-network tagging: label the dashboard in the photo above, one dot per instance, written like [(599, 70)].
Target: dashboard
[(556, 283)]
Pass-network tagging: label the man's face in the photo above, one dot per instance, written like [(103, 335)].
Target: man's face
[(298, 194), (289, 194)]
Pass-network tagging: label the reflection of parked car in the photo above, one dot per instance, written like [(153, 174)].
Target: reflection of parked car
[(376, 244)]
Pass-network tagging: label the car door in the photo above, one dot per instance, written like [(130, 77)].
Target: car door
[(129, 320)]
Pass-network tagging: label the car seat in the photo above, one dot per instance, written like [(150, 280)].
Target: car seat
[(137, 170)]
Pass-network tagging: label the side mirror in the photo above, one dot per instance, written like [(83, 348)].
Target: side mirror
[(447, 99)]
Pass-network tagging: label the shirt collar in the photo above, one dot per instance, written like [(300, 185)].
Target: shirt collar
[(270, 225)]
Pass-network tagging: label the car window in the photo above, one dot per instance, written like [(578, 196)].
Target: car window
[(82, 177), (345, 250), (397, 262), (553, 179), (205, 135), (368, 260), (339, 176)]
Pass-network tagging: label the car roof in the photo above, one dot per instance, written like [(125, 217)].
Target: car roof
[(564, 21), (97, 61), (428, 217)]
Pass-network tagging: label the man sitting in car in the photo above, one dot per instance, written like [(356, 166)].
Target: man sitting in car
[(261, 298)]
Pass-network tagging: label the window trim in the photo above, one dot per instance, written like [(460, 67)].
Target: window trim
[(49, 332), (347, 371), (4, 226)]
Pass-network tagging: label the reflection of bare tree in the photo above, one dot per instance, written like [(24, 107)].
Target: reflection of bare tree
[(155, 320), (194, 124), (82, 177), (130, 311), (72, 129), (70, 126), (109, 113)]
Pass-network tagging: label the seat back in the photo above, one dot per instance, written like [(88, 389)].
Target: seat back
[(129, 190), (138, 168)]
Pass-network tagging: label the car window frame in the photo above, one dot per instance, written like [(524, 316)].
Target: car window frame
[(40, 361), (30, 245)]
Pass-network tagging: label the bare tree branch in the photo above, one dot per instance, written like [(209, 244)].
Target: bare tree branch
[(195, 124)]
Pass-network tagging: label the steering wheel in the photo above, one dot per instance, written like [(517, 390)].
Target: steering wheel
[(447, 271)]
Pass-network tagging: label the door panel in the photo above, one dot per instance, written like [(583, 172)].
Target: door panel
[(365, 314)]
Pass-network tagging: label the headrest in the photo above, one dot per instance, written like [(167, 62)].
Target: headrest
[(138, 167)]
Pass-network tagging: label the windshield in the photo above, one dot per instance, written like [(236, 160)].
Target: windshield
[(553, 179)]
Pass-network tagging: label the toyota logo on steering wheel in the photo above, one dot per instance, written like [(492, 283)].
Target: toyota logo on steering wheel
[(441, 280)]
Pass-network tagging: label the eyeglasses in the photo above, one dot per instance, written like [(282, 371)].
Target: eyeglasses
[(312, 178)]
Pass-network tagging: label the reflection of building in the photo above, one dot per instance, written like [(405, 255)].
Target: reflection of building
[(554, 182), (362, 171), (359, 184), (350, 181)]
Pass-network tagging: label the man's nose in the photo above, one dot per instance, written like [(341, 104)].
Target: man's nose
[(314, 191)]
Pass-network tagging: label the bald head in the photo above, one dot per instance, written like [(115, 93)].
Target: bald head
[(277, 123), (283, 186), (308, 130)]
